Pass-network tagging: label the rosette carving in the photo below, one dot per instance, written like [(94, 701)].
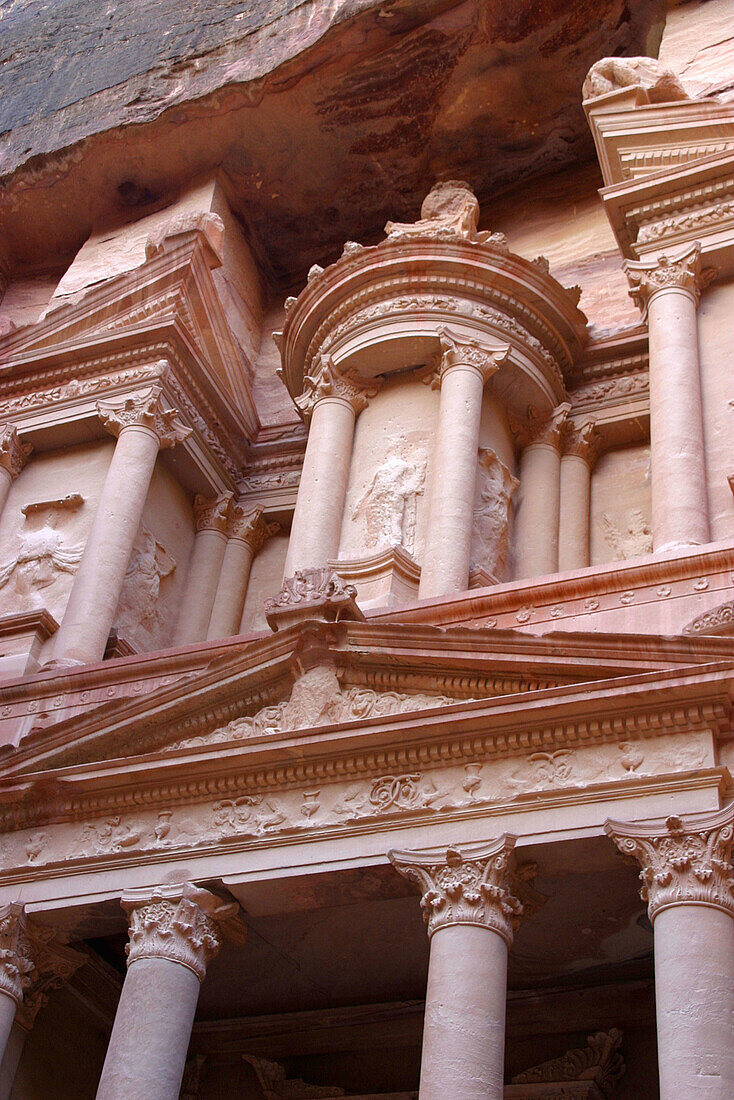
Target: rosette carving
[(682, 861), (680, 272), (144, 410), (582, 440), (181, 923), (459, 352), (212, 513), (471, 885), (251, 527), (328, 381), (537, 428), (14, 453)]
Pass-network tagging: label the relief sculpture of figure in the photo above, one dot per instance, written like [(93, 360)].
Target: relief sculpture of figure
[(150, 564), (390, 503), (495, 489), (42, 556)]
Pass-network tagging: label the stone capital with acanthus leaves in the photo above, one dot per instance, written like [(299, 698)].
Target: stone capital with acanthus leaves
[(683, 271), (14, 452), (212, 513), (460, 353), (539, 429), (250, 526), (468, 885), (682, 860), (582, 440), (144, 410), (328, 382), (32, 961)]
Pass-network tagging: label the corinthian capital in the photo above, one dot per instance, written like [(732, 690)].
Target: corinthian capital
[(471, 885), (32, 962), (682, 860), (14, 452), (250, 526), (212, 513), (582, 440), (16, 951), (144, 410), (679, 272), (181, 923), (328, 381), (458, 352), (540, 428)]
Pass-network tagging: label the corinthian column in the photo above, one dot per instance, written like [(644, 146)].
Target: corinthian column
[(329, 404), (667, 291), (205, 564), (537, 511), (471, 913), (175, 932), (248, 532), (14, 454), (462, 373), (688, 884), (142, 426), (580, 451)]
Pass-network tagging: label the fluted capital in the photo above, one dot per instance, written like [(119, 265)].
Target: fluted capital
[(328, 381), (539, 428), (683, 271), (14, 453), (683, 860), (212, 513), (250, 526), (582, 440), (144, 410), (16, 951), (471, 885), (181, 923), (460, 353)]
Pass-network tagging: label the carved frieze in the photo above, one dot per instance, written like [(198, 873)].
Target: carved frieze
[(14, 452), (144, 410), (471, 885), (682, 860), (181, 923), (327, 381)]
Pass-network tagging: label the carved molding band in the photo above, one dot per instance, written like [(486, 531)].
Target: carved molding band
[(679, 272), (251, 527), (14, 453), (144, 410), (683, 861), (179, 923), (460, 353), (328, 381), (471, 885), (212, 513)]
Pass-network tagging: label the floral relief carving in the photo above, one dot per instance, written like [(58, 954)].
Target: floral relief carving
[(144, 410), (682, 860), (250, 527), (471, 885), (491, 516), (459, 352), (181, 923), (110, 835), (389, 794), (389, 505), (719, 620), (250, 815), (582, 440)]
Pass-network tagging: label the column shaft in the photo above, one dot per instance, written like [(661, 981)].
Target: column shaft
[(317, 518), (574, 517), (8, 1008), (464, 1028), (90, 611), (205, 566), (10, 1060), (232, 589), (147, 1049), (6, 480), (447, 554), (538, 507), (679, 495), (694, 997)]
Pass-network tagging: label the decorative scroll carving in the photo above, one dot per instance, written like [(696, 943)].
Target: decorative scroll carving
[(456, 351), (631, 537), (537, 428), (610, 390), (251, 527), (680, 272), (388, 794), (144, 410), (683, 861), (180, 923), (612, 74), (601, 1062), (313, 591), (582, 440), (720, 620), (390, 503), (318, 699), (495, 489), (328, 381), (467, 886), (14, 452), (212, 513)]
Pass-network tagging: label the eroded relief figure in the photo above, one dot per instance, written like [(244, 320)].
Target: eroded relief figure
[(630, 536), (139, 607), (43, 555), (490, 533), (390, 503)]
